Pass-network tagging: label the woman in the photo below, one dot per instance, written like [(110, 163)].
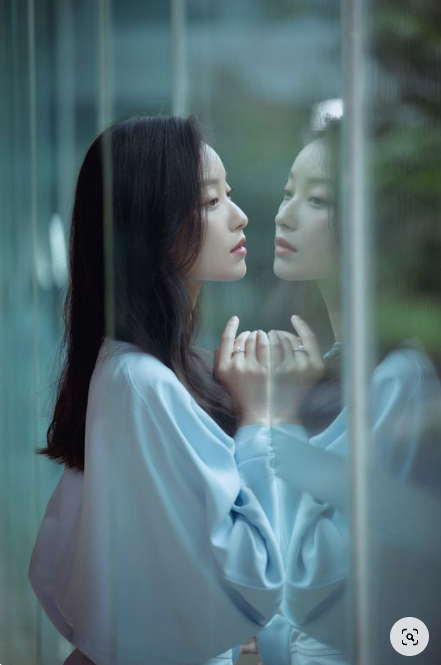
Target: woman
[(315, 535), (159, 543)]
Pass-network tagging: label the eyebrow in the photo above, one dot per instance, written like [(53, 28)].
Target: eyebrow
[(319, 181), (315, 180), (213, 181)]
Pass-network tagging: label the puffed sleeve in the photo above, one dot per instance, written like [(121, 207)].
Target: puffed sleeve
[(315, 531), (175, 553)]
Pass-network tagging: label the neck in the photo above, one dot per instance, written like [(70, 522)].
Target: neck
[(330, 290), (193, 286)]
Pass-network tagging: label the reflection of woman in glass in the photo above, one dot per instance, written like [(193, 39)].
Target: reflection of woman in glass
[(157, 545), (315, 534)]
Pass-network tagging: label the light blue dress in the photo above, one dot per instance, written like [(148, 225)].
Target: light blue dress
[(312, 628), (165, 550)]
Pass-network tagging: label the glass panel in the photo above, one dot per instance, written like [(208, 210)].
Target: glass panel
[(67, 70), (356, 453), (403, 134)]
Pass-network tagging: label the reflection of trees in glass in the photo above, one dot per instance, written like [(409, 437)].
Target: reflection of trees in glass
[(406, 152)]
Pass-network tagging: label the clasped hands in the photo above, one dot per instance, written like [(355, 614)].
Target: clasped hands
[(268, 373)]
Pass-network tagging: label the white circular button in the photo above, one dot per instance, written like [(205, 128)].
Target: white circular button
[(409, 636)]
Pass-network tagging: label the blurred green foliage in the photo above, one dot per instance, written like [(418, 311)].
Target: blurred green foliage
[(405, 151)]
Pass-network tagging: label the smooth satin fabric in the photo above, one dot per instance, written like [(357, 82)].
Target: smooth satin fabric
[(165, 549), (315, 538)]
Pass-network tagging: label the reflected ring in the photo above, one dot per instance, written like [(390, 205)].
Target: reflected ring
[(299, 348), (238, 349)]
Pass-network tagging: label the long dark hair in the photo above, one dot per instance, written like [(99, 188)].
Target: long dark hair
[(324, 401), (153, 170), (398, 199)]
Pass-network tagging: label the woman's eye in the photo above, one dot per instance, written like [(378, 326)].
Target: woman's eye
[(229, 194), (317, 201), (212, 203), (286, 195)]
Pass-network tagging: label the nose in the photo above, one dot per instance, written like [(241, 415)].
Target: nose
[(286, 218), (241, 220)]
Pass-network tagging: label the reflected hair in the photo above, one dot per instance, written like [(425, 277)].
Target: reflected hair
[(329, 135), (324, 401), (154, 167)]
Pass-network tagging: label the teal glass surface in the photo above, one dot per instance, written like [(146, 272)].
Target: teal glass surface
[(259, 74)]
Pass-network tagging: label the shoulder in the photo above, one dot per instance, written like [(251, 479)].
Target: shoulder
[(405, 374), (149, 378), (148, 397), (410, 364)]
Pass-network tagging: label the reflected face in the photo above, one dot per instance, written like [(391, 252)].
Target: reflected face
[(222, 257), (305, 246)]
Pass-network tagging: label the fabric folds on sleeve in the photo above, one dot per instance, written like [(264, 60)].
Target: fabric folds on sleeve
[(315, 535), (175, 557)]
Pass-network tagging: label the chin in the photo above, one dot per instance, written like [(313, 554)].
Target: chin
[(227, 276), (283, 270), (239, 273)]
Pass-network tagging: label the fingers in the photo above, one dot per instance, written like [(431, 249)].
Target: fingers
[(291, 353), (241, 339), (307, 338), (255, 345), (227, 340), (288, 347), (276, 348), (263, 348), (250, 346), (282, 346), (277, 344), (295, 341)]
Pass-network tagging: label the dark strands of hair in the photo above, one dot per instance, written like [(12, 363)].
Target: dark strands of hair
[(158, 230), (324, 401)]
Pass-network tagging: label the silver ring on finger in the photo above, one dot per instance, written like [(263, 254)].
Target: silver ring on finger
[(238, 349), (299, 348)]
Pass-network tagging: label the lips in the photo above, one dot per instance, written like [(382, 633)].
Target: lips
[(240, 244), (281, 242)]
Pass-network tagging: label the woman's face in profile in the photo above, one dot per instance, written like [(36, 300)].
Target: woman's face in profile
[(305, 246), (222, 257)]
